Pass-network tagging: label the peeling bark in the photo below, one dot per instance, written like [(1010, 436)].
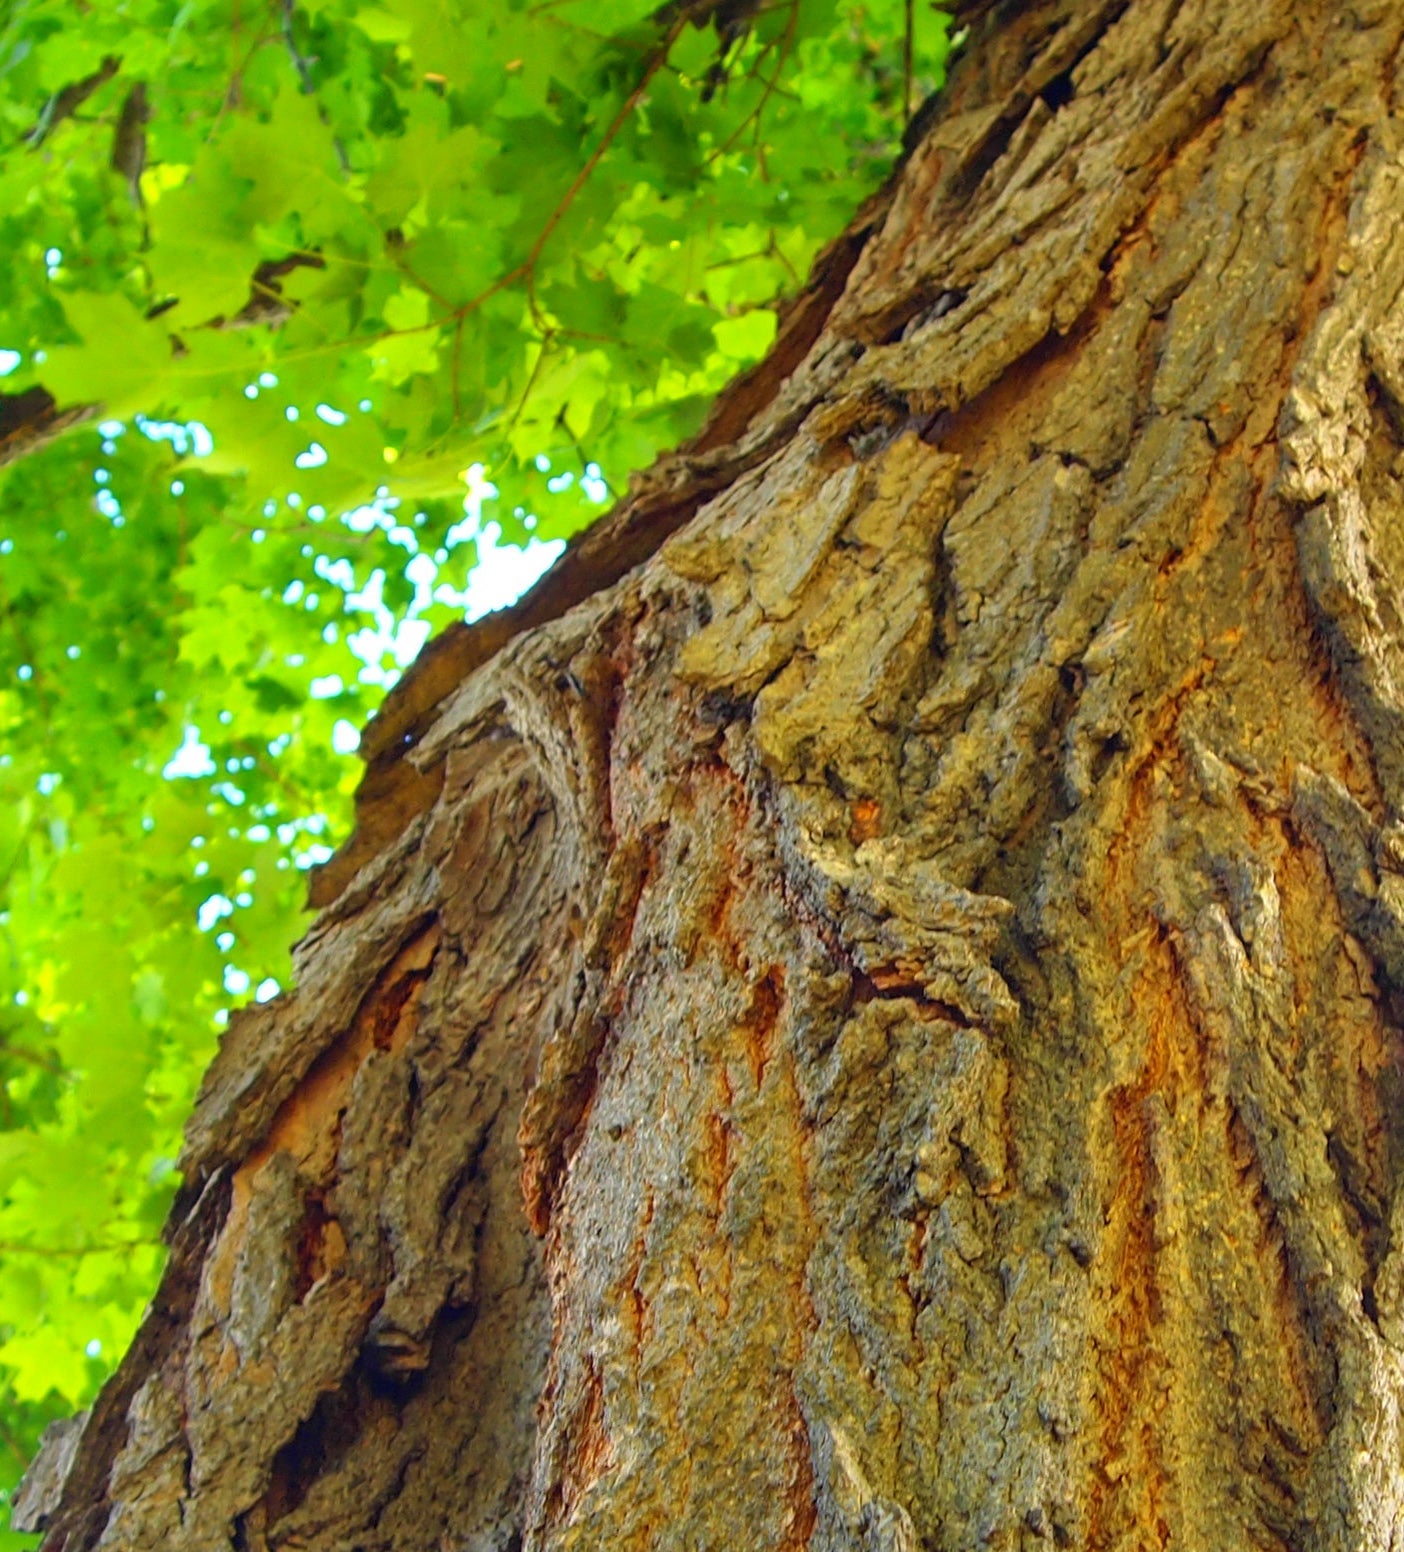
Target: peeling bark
[(866, 1014)]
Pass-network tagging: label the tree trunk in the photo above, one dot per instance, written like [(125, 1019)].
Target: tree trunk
[(865, 1014)]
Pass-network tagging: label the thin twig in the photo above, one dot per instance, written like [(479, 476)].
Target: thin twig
[(234, 94), (569, 430), (457, 367), (546, 342), (300, 62), (35, 1058), (654, 64), (64, 1252), (784, 258), (772, 84), (12, 1444), (768, 252), (590, 32), (66, 102), (303, 66)]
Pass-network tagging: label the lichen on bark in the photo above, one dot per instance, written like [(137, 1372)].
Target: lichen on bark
[(867, 1013)]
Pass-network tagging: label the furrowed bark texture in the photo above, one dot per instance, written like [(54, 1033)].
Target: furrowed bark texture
[(873, 1021)]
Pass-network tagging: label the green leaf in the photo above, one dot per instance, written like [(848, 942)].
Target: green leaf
[(122, 362)]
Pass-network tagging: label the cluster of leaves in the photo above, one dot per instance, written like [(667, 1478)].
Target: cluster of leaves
[(302, 268)]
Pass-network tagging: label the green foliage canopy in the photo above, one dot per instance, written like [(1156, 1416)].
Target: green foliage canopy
[(317, 288)]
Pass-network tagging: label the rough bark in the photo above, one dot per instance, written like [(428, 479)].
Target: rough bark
[(868, 1014)]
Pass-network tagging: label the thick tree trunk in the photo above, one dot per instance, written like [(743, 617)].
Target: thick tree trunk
[(872, 1020)]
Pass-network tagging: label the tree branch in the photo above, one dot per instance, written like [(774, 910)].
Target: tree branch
[(66, 102), (30, 420)]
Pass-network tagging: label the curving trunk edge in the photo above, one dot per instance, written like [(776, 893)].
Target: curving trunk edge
[(866, 1014)]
